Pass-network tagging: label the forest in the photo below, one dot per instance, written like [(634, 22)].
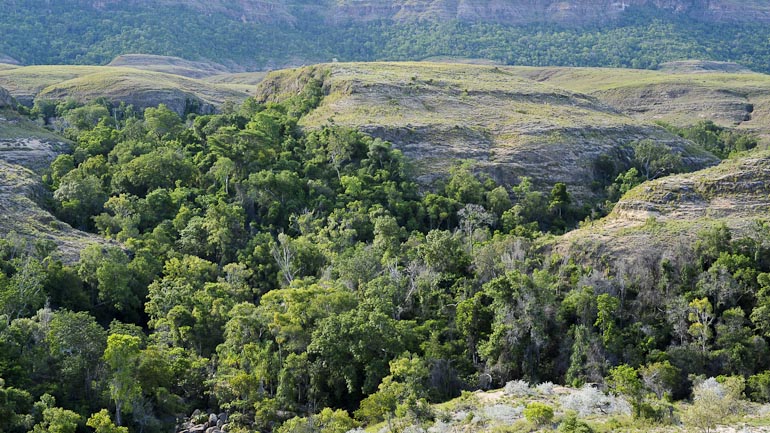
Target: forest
[(642, 38), (292, 278)]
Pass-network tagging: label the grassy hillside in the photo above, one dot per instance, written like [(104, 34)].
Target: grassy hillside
[(169, 65), (143, 88), (24, 147), (680, 94), (509, 126)]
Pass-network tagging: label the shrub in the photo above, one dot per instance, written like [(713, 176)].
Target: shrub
[(545, 388), (713, 401), (589, 400), (759, 387), (517, 388), (571, 424), (538, 413)]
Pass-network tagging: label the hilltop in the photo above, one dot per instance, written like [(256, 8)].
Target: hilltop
[(680, 93)]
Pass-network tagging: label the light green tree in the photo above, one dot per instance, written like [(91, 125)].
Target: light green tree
[(101, 423), (122, 358)]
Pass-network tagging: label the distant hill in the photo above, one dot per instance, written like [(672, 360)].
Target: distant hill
[(500, 11), (259, 34), (141, 87)]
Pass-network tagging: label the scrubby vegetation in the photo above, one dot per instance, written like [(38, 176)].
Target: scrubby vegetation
[(302, 280)]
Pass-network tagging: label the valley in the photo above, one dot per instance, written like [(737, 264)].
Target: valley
[(384, 246)]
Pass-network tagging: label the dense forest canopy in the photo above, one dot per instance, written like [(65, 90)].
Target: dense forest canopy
[(292, 278), (69, 32)]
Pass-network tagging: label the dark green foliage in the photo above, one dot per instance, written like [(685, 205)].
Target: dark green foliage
[(264, 270), (42, 32)]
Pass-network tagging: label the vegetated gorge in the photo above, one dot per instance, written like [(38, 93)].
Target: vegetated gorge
[(459, 245)]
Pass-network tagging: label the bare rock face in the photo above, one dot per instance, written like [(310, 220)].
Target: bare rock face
[(6, 100)]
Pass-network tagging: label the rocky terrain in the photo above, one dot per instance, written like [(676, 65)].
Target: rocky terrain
[(661, 219), (25, 151)]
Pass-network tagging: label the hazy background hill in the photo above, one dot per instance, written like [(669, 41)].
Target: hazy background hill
[(251, 34)]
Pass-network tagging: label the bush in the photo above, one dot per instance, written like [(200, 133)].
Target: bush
[(538, 413), (545, 388), (759, 387), (713, 402), (589, 400), (517, 388), (571, 424)]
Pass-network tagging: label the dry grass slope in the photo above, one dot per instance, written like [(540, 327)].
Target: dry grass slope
[(680, 93)]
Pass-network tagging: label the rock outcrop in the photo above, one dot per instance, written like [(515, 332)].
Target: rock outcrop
[(660, 220), (6, 100)]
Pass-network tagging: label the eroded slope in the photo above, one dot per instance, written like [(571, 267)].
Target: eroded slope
[(660, 218), (508, 125), (25, 147)]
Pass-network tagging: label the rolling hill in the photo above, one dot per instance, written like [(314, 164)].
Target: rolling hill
[(139, 85), (507, 125)]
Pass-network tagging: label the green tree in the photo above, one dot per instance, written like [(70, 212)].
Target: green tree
[(624, 380), (655, 160), (15, 409), (661, 378), (77, 342), (701, 317), (122, 358), (101, 423), (162, 122), (560, 199), (463, 186), (54, 419)]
